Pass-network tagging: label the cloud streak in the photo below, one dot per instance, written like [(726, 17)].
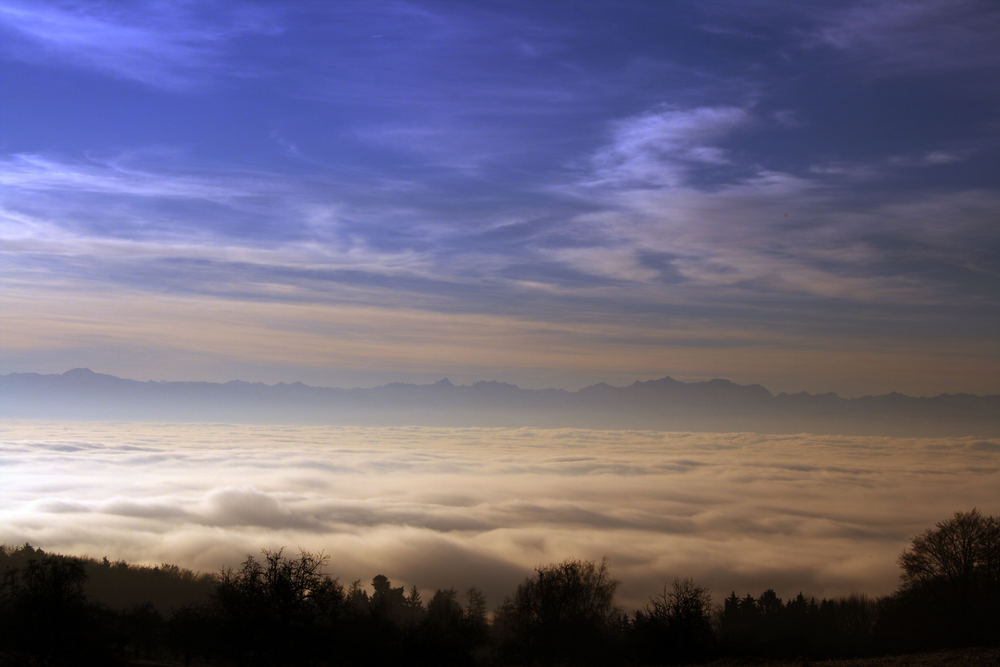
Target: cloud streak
[(915, 36), (160, 45), (753, 229)]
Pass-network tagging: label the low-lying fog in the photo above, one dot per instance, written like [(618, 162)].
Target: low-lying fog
[(475, 506)]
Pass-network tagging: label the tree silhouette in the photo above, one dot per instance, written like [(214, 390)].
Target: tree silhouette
[(563, 615), (475, 615), (277, 610), (46, 615), (389, 603), (442, 634), (676, 625), (951, 584), (963, 551), (190, 632)]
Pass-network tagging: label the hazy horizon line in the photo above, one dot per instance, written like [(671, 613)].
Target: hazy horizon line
[(445, 379)]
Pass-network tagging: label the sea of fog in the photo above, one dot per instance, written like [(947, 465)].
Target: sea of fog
[(459, 507)]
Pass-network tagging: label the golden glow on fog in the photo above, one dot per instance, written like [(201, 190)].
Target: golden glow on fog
[(457, 507)]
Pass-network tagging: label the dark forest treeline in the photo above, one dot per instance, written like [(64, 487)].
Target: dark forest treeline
[(282, 610)]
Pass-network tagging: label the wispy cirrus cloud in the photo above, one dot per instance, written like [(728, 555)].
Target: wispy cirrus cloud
[(39, 173), (113, 209), (744, 226), (662, 147), (909, 37), (917, 36), (165, 45)]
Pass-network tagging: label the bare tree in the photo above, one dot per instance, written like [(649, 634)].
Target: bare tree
[(683, 602), (963, 551), (564, 614), (274, 610), (676, 625)]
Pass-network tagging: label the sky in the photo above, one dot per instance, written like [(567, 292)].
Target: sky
[(802, 195), (454, 508)]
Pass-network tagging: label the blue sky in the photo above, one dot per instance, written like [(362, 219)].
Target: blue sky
[(551, 194)]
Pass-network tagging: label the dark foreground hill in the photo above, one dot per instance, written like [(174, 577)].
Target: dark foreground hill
[(282, 610), (715, 405), (966, 657)]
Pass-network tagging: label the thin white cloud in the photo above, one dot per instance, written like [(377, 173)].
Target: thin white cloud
[(862, 172), (34, 172), (166, 45), (760, 230), (45, 217), (657, 148), (915, 36), (932, 158), (455, 146), (788, 118)]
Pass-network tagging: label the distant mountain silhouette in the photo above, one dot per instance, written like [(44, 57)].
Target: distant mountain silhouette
[(715, 405)]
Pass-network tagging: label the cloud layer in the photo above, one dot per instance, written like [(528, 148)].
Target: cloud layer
[(811, 189), (547, 194), (462, 507)]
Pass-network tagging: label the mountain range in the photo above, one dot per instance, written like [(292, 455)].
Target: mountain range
[(713, 405)]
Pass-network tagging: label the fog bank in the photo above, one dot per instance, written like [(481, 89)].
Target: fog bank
[(482, 506)]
